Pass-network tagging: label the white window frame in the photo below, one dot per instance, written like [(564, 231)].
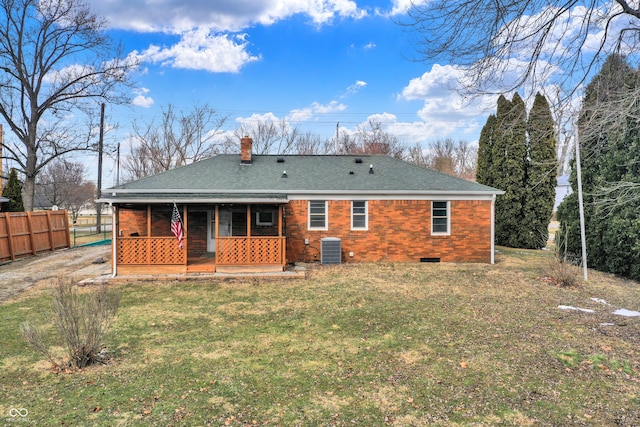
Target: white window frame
[(448, 217), (365, 214), (326, 215)]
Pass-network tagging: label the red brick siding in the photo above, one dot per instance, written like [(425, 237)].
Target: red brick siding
[(264, 230), (161, 221), (399, 230), (132, 220)]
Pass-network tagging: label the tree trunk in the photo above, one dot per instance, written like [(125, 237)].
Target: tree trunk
[(28, 193)]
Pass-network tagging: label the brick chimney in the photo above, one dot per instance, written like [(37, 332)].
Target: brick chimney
[(245, 150)]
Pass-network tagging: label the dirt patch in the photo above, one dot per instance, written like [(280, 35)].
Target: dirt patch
[(25, 273)]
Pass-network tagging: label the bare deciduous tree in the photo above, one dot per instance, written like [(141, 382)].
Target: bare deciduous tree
[(56, 62), (375, 140), (179, 139), (61, 183), (507, 44), (372, 138), (269, 136), (309, 143), (446, 156)]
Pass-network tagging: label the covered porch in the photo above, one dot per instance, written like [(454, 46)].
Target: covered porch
[(218, 237)]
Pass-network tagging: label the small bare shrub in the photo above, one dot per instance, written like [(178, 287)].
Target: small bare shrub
[(562, 273), (80, 320)]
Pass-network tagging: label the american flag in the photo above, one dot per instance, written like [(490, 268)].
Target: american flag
[(176, 225)]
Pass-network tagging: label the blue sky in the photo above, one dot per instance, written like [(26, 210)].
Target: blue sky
[(313, 63)]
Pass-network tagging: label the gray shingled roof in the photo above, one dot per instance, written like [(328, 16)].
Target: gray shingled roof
[(305, 174)]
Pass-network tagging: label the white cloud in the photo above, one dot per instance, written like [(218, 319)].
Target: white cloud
[(444, 111), (370, 45), (400, 7), (439, 89), (177, 16), (208, 30), (202, 50), (299, 115), (354, 88), (331, 107), (141, 100), (410, 132), (255, 118), (305, 114)]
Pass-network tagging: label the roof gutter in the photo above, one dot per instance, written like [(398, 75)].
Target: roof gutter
[(192, 200)]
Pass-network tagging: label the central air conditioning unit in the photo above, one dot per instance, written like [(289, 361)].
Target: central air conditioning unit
[(331, 250)]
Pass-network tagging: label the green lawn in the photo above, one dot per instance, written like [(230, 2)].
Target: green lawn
[(357, 345)]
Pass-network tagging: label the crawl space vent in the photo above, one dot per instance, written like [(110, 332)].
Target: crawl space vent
[(331, 250)]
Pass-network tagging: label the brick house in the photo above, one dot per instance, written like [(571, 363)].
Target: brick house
[(261, 212)]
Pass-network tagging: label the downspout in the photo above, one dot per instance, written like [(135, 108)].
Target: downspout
[(493, 229), (113, 240)]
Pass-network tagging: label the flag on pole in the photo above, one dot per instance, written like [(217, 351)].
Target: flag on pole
[(176, 225)]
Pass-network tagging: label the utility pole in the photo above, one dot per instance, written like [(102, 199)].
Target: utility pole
[(118, 166), (99, 190), (337, 137)]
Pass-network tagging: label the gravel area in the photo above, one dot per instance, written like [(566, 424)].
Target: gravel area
[(19, 275)]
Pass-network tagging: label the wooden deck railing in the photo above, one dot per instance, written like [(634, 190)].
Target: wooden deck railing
[(140, 250), (150, 251), (250, 250)]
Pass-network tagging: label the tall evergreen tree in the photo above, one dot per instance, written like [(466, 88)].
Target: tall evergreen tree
[(518, 156), (484, 173), (541, 175), (13, 192), (509, 156), (610, 151)]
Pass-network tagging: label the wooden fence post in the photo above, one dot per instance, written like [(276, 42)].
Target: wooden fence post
[(65, 216), (7, 217), (50, 228), (34, 250)]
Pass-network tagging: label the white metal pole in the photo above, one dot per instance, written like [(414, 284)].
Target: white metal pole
[(493, 229), (583, 237)]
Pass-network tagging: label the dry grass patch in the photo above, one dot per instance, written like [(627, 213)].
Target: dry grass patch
[(370, 344)]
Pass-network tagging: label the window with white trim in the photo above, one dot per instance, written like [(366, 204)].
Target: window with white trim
[(359, 215), (317, 214), (440, 218)]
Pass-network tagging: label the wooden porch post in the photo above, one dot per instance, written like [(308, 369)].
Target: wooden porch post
[(216, 223), (186, 234), (248, 220), (148, 234), (283, 243)]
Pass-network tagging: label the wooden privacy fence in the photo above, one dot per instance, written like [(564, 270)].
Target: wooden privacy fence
[(27, 233)]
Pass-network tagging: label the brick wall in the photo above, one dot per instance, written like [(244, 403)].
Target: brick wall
[(132, 221), (398, 230), (161, 221)]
